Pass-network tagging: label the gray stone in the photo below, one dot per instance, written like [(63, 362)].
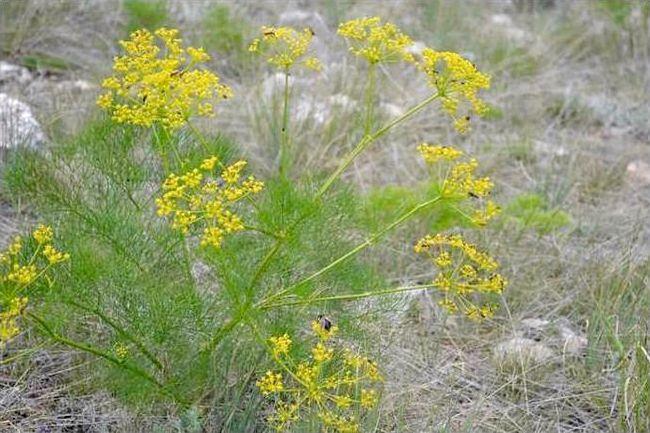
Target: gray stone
[(18, 127), (519, 350), (13, 73)]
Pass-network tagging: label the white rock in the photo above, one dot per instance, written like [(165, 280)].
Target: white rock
[(521, 350), (639, 172), (501, 19), (508, 28), (573, 344), (10, 72), (535, 323), (18, 127), (75, 85)]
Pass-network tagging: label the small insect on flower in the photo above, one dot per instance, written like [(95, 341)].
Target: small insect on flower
[(325, 323), (457, 81), (286, 47)]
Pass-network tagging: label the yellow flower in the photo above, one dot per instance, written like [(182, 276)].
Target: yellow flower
[(212, 236), (369, 398), (154, 83), (471, 273), (433, 154), (121, 351), (280, 345), (285, 47), (443, 260), (271, 383), (9, 319), (15, 246), (195, 200), (456, 80), (22, 275), (334, 390), (343, 401), (198, 55), (322, 353), (376, 42), (482, 216), (53, 256)]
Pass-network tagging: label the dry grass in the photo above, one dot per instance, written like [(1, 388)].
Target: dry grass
[(569, 83)]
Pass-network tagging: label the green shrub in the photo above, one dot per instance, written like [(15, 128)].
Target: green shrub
[(148, 14)]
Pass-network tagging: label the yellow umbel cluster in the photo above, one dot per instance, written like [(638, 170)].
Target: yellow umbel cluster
[(376, 42), (464, 273), (285, 47), (199, 199), (434, 154), (460, 184), (18, 273), (333, 385), (456, 80), (157, 81)]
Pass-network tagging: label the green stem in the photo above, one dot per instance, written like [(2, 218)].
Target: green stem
[(371, 240), (265, 263), (201, 138), (349, 297), (162, 148), (285, 153), (370, 97), (367, 140)]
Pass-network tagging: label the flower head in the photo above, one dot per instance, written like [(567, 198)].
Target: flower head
[(157, 81), (43, 234), (9, 316), (460, 184), (17, 274), (456, 80), (376, 42), (200, 200), (467, 273), (286, 47), (333, 384), (280, 345)]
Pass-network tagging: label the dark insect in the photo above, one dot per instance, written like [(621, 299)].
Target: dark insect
[(177, 72), (325, 323), (269, 33), (471, 194), (313, 33)]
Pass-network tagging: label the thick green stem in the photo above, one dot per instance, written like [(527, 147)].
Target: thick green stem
[(285, 157), (350, 297), (371, 240), (367, 140)]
